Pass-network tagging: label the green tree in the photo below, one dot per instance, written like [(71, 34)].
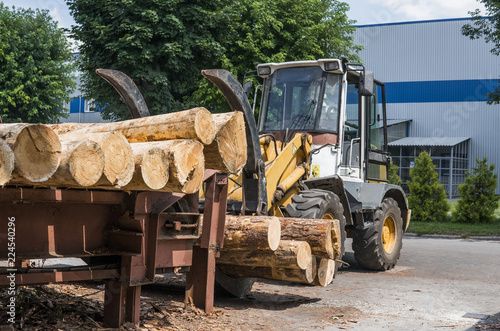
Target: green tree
[(163, 45), (36, 74), (477, 202), (427, 198), (486, 26), (393, 175)]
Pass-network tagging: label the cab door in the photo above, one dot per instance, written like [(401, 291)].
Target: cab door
[(377, 155)]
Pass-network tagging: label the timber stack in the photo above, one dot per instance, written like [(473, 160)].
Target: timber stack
[(157, 153), (169, 153), (291, 249)]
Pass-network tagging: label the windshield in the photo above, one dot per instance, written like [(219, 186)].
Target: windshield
[(295, 101)]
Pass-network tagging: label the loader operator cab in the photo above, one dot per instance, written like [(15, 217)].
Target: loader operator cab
[(339, 104)]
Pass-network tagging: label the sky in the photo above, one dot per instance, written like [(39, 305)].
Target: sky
[(363, 11)]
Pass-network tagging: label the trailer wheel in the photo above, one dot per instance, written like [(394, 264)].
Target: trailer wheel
[(319, 204), (378, 247)]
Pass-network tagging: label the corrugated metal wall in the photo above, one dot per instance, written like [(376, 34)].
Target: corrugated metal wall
[(450, 75)]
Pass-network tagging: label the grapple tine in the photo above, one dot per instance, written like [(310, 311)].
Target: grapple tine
[(127, 89)]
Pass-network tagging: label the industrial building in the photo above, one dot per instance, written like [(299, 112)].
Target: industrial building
[(436, 83)]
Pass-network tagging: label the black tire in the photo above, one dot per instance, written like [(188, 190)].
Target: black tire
[(318, 204), (379, 246)]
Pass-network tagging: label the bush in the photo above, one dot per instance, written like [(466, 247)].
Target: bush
[(477, 202), (427, 197)]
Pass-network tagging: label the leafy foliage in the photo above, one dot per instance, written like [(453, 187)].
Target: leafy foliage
[(478, 201), (427, 197), (393, 175), (36, 74), (488, 27), (163, 45)]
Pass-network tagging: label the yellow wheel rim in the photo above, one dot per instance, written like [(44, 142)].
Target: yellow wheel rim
[(328, 216), (389, 234)]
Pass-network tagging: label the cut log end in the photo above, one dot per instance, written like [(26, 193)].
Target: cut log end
[(228, 152), (154, 168), (303, 251), (204, 126), (326, 272), (187, 166), (274, 234), (119, 166), (311, 271), (6, 162), (37, 151), (86, 163)]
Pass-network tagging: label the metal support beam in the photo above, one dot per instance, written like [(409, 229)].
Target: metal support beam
[(201, 278)]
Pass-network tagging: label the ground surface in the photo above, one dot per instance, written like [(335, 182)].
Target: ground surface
[(436, 282)]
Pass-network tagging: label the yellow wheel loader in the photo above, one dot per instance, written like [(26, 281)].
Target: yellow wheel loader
[(318, 150)]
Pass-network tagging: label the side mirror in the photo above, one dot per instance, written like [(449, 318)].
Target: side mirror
[(366, 83)]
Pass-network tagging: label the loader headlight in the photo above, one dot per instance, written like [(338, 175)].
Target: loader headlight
[(331, 66), (264, 71)]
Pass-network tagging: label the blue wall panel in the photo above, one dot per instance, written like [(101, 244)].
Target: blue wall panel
[(440, 91), (77, 105)]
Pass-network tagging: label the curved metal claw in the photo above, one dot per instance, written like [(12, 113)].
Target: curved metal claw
[(254, 189), (127, 89)]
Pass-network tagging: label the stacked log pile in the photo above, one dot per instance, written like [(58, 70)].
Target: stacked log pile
[(291, 249), (166, 153)]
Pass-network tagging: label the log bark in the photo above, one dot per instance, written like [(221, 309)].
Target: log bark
[(118, 157), (6, 162), (196, 123), (251, 233), (228, 151), (326, 272), (291, 275), (36, 147), (290, 254), (317, 233), (151, 168)]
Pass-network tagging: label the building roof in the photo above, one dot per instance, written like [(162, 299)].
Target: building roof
[(429, 141)]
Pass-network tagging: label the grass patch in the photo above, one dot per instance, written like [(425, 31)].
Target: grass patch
[(460, 229)]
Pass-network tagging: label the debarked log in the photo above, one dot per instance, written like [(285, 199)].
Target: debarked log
[(36, 147), (228, 151), (119, 163), (196, 123)]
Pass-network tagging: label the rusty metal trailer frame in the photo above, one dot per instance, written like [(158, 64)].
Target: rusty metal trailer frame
[(124, 238)]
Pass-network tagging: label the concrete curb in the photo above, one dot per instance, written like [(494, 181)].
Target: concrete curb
[(449, 236)]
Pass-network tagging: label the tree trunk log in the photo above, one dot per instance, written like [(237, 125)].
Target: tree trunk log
[(186, 164), (118, 157), (291, 275), (151, 168), (326, 272), (6, 162), (316, 232), (290, 255), (36, 147), (196, 123), (252, 233), (228, 151), (82, 164)]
